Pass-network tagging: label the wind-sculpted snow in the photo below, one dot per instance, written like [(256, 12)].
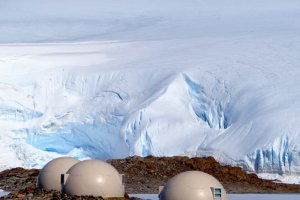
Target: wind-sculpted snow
[(110, 79)]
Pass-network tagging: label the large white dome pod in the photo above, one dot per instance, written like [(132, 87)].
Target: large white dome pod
[(94, 177), (193, 185), (49, 177)]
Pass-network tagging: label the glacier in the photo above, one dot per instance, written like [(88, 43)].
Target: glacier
[(112, 78)]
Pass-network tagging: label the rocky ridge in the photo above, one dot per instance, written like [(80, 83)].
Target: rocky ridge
[(145, 175)]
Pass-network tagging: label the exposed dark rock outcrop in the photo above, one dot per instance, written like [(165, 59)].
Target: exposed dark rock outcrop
[(144, 175), (18, 179)]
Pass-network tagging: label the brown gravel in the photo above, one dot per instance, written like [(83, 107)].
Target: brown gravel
[(145, 175), (22, 185)]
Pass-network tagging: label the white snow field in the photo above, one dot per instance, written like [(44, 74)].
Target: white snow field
[(113, 78)]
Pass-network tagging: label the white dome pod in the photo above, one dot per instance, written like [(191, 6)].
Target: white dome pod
[(49, 177), (193, 185), (94, 177)]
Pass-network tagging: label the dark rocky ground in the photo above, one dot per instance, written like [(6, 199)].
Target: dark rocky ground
[(145, 175), (22, 185)]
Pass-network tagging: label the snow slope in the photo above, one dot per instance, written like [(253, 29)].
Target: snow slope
[(113, 78)]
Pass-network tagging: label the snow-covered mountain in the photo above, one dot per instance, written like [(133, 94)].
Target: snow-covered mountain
[(113, 78)]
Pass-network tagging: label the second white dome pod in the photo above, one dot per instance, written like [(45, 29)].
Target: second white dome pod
[(93, 177)]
